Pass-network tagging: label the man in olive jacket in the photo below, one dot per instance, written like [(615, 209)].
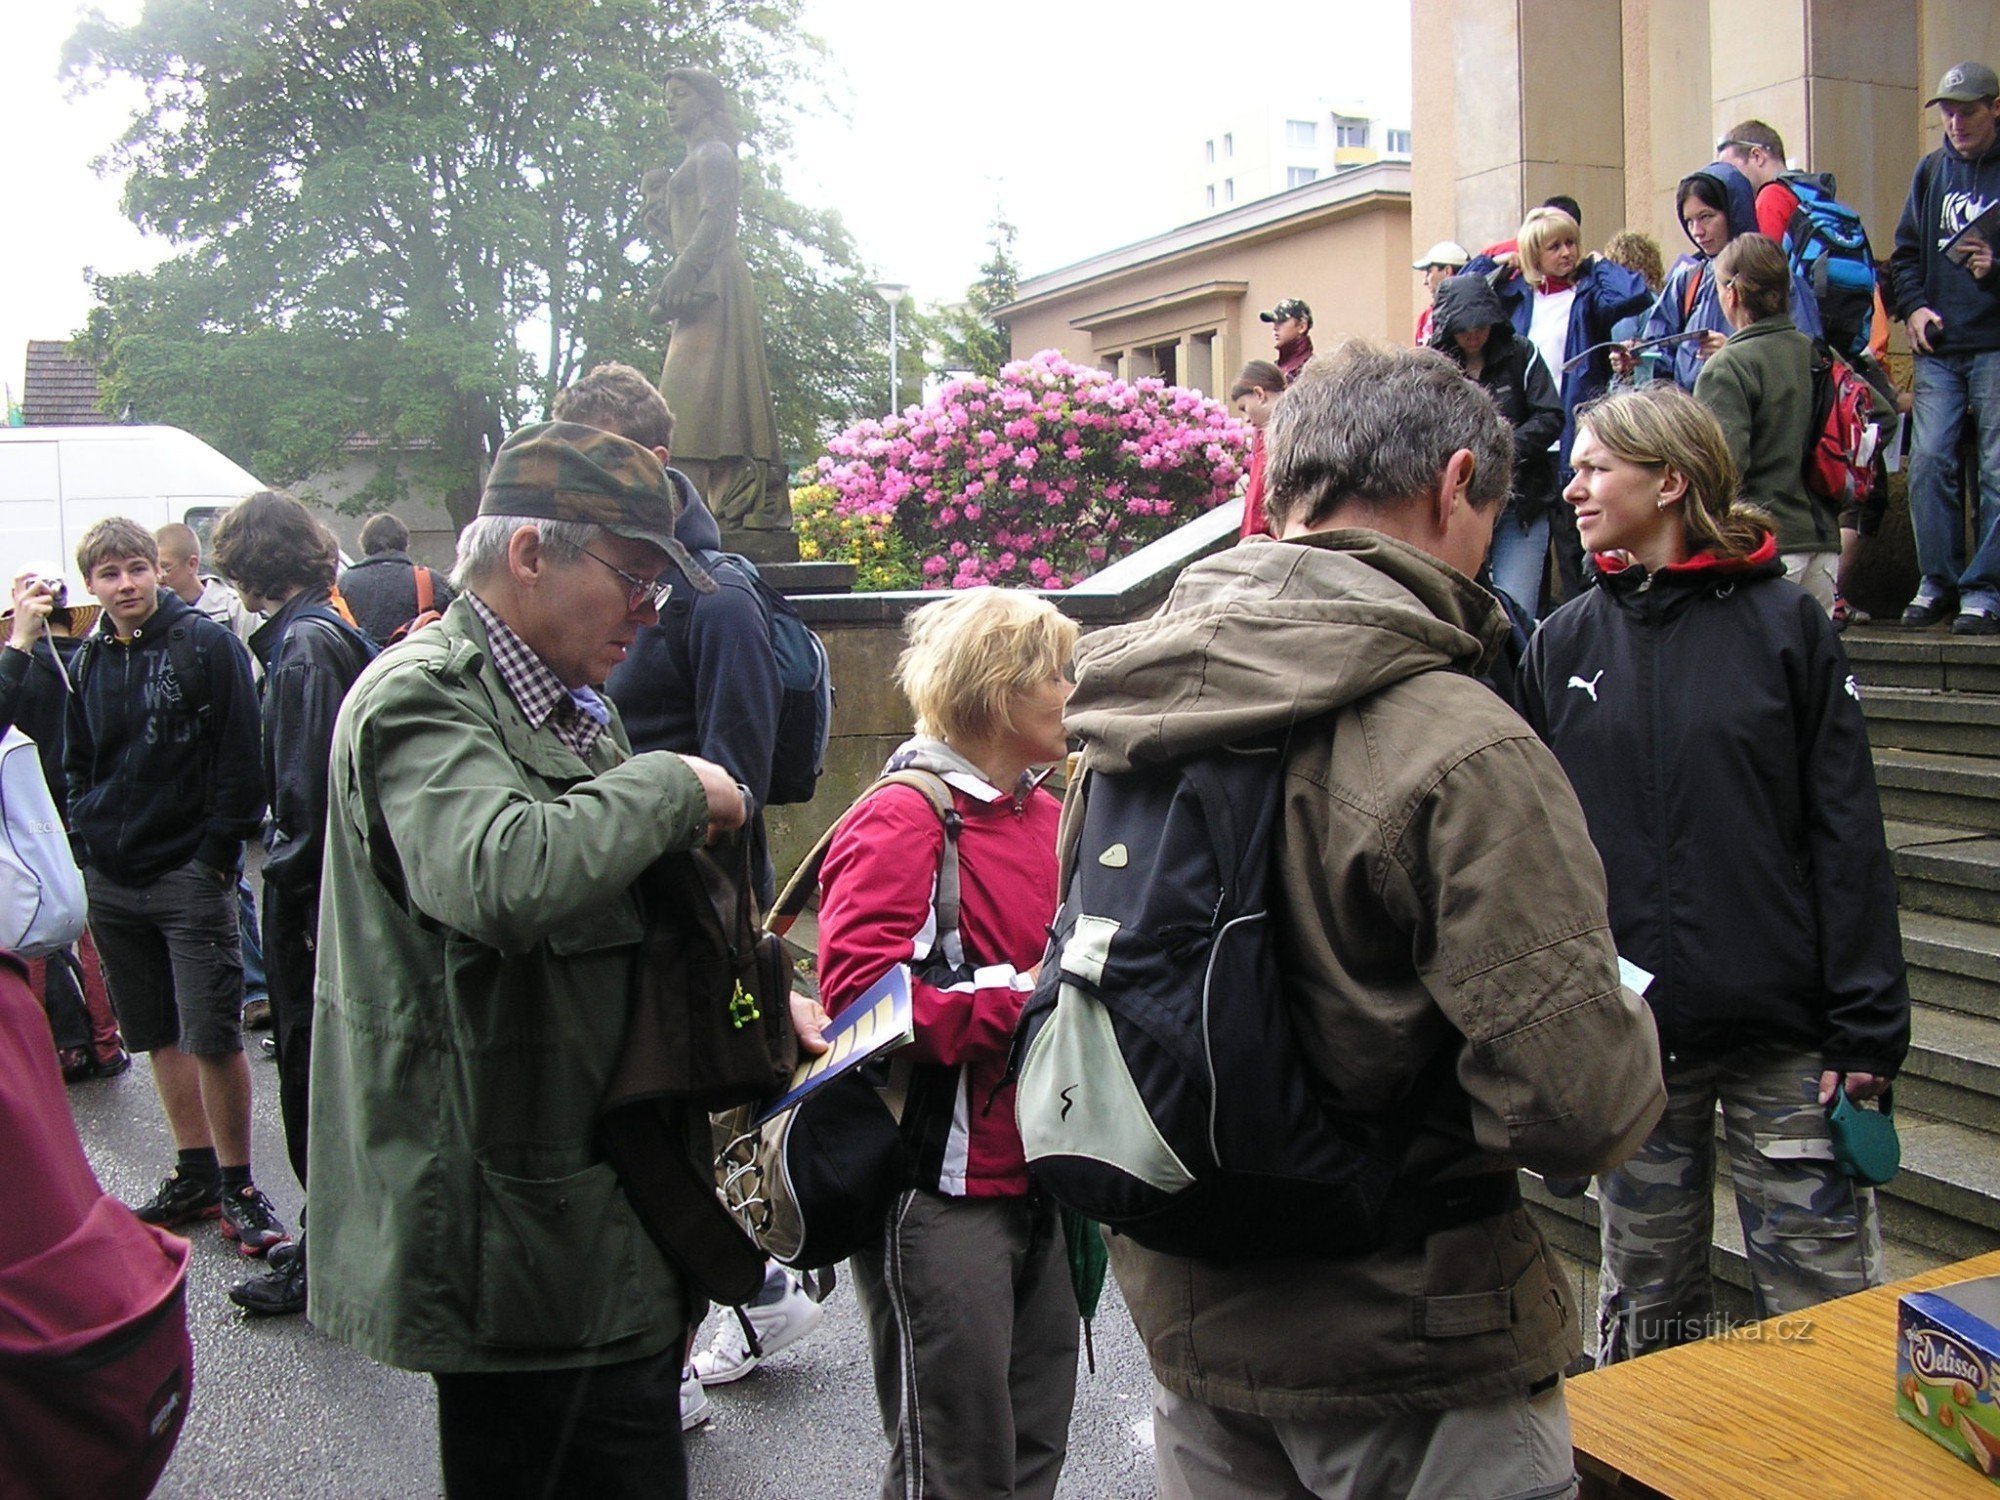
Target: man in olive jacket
[(1436, 892), (486, 821)]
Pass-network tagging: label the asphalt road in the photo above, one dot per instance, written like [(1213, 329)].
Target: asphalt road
[(280, 1411)]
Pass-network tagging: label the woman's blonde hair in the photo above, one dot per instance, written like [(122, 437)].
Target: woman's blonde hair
[(1662, 426), (1541, 229), (970, 653)]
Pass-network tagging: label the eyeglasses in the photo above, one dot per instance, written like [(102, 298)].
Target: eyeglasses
[(1743, 146), (642, 590)]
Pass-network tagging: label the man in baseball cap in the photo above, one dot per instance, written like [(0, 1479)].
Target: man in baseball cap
[(1291, 330), (1445, 258), (479, 930), (1944, 279)]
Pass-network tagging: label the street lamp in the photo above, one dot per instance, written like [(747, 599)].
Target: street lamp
[(892, 292)]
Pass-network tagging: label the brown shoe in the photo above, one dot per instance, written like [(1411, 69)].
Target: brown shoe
[(257, 1015)]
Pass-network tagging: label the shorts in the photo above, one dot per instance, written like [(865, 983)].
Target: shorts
[(173, 959)]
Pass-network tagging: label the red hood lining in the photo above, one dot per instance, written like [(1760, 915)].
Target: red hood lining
[(1700, 563)]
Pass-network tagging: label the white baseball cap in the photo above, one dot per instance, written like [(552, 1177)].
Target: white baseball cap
[(1443, 253)]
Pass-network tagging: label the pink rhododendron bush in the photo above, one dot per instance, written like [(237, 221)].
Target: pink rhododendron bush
[(1040, 477)]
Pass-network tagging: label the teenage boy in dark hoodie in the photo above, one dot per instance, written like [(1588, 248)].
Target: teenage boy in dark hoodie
[(1951, 304), (163, 791)]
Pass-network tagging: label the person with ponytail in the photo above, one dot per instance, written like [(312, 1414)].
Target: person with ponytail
[(1705, 714)]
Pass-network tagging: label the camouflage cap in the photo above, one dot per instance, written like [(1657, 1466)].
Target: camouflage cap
[(564, 471)]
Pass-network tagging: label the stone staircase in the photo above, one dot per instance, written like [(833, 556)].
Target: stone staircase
[(1933, 708)]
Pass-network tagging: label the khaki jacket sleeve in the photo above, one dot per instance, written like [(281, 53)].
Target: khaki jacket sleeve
[(483, 849), (1505, 898)]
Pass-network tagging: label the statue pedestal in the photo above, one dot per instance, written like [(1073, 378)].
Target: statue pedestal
[(761, 545), (808, 577)]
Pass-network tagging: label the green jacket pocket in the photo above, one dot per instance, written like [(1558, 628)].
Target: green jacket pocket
[(558, 1262)]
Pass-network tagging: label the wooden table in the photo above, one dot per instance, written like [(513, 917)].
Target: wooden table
[(1801, 1407)]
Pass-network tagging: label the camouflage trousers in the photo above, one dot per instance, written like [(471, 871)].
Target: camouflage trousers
[(1810, 1232)]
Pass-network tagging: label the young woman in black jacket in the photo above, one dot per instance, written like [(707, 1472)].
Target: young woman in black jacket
[(1704, 711), (1470, 327)]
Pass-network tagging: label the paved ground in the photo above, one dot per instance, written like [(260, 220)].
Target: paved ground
[(281, 1411)]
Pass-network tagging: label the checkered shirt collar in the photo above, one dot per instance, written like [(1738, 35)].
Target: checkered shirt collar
[(540, 694)]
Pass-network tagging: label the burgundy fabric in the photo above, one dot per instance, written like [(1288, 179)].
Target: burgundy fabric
[(105, 1042), (95, 1364)]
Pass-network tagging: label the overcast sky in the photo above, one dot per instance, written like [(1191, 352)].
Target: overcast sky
[(1073, 119)]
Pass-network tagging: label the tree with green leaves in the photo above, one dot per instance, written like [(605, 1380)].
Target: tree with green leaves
[(417, 219), (970, 338)]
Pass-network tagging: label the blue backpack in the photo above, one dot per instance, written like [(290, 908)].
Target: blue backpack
[(1828, 246)]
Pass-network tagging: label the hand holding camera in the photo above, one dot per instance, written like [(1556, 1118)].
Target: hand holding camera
[(35, 598)]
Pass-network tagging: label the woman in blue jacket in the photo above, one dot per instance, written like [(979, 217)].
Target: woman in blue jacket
[(1564, 302), (1716, 204), (1704, 712)]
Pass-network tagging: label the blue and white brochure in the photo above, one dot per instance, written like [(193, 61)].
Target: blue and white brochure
[(880, 1021)]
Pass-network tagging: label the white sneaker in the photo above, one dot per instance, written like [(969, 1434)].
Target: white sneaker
[(694, 1400), (779, 1326)]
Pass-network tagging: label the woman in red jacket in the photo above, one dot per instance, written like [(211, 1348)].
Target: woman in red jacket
[(972, 1324)]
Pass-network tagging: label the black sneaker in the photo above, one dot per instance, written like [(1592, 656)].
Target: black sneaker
[(275, 1294), (1922, 613), (1976, 622), (182, 1200), (249, 1219), (110, 1067)]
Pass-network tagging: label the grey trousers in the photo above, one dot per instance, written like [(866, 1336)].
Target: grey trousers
[(972, 1329), (1515, 1449)]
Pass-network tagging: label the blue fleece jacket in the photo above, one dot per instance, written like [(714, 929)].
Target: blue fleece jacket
[(1671, 313)]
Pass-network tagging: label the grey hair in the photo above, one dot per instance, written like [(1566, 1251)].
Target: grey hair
[(482, 546), (1375, 426)]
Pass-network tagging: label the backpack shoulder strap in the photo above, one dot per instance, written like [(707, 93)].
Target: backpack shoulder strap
[(426, 595), (805, 879), (1696, 270), (190, 669)]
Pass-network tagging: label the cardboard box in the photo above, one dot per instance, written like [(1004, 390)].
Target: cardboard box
[(1948, 1369)]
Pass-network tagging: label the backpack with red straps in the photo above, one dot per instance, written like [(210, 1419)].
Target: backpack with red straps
[(1843, 435)]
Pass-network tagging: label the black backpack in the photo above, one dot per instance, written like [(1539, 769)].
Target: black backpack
[(805, 714), (1162, 1090)]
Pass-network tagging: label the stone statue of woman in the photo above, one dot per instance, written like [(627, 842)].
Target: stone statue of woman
[(716, 378)]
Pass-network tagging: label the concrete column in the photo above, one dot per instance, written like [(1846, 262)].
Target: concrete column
[(1522, 99)]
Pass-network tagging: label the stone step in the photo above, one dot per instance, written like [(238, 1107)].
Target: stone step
[(1954, 872), (1954, 965), (1924, 719), (1928, 786), (1888, 656), (1953, 1071)]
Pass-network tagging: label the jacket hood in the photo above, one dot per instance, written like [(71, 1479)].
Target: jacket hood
[(1269, 633), (696, 529), (922, 753), (1737, 193), (1464, 303)]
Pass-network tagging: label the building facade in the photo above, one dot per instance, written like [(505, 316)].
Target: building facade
[(1183, 305), (1272, 147), (1614, 101)]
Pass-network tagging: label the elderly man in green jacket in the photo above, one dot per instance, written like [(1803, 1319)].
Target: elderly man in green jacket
[(478, 931)]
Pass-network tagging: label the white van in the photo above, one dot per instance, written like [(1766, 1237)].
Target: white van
[(57, 482)]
